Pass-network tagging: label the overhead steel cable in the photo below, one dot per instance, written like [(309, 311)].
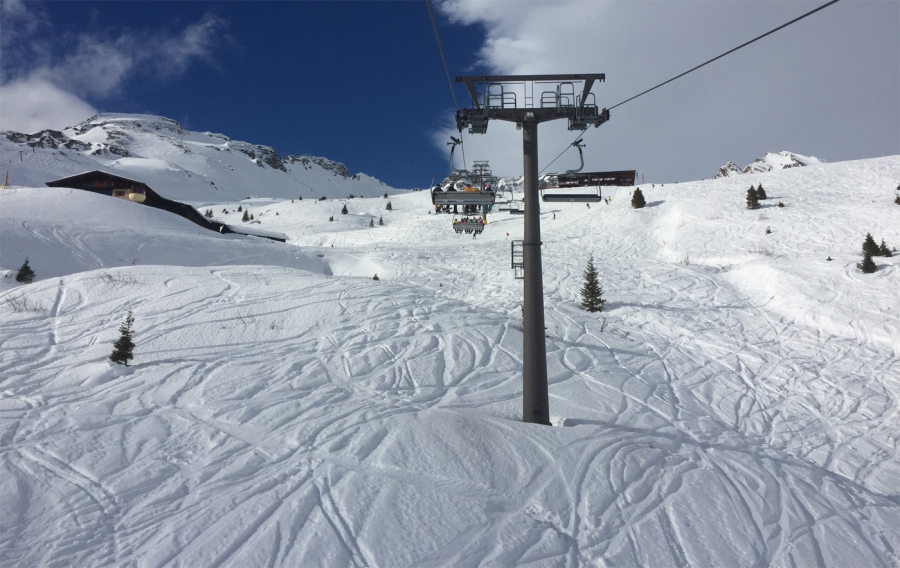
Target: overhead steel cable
[(810, 13), (822, 7), (446, 71)]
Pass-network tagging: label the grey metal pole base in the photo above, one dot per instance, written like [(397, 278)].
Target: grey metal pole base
[(535, 399)]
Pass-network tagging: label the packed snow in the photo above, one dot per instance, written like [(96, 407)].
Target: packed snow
[(735, 404)]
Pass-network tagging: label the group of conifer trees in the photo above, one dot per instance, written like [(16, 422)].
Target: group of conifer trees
[(755, 195), (870, 249)]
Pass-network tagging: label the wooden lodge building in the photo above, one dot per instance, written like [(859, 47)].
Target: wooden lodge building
[(117, 186)]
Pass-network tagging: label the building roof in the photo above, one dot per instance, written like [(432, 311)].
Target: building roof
[(63, 182)]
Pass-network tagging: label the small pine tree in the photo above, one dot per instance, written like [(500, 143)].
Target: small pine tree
[(246, 217), (752, 199), (389, 207), (240, 208), (331, 218), (761, 193), (897, 200), (592, 293), (25, 274), (381, 220), (883, 250), (376, 277), (637, 200), (344, 211), (251, 216), (372, 222), (123, 348), (867, 265), (385, 195), (298, 199), (869, 247)]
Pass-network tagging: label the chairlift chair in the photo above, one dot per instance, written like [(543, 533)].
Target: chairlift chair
[(468, 224), (471, 190), (571, 179)]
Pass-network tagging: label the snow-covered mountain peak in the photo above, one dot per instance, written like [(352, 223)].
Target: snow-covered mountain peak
[(771, 161), (180, 164)]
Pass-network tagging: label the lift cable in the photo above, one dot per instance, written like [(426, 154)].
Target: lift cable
[(446, 71), (822, 7)]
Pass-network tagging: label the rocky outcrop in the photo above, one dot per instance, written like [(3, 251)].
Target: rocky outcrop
[(728, 170), (771, 161), (306, 161), (52, 139), (365, 177), (262, 156)]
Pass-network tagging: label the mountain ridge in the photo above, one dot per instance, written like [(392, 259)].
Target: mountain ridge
[(202, 167)]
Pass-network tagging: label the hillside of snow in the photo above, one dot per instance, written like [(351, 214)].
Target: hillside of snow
[(187, 166), (736, 404)]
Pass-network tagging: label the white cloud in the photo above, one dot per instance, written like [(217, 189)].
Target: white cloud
[(33, 104), (760, 99), (50, 94)]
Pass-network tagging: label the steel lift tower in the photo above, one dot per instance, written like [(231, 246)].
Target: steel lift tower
[(512, 98)]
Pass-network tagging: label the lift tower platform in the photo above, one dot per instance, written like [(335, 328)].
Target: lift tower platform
[(513, 98)]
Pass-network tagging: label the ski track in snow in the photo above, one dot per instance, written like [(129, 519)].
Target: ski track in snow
[(729, 408)]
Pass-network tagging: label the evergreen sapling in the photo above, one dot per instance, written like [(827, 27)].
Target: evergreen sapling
[(867, 265), (123, 348), (592, 293), (344, 211), (25, 274), (752, 199), (637, 200), (869, 247), (883, 250), (761, 193)]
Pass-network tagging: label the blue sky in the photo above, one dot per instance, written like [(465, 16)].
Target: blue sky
[(362, 82)]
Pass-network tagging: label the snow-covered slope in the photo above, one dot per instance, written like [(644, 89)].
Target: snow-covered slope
[(769, 162), (197, 167), (736, 403)]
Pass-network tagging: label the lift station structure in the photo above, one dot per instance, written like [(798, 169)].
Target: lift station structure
[(513, 98)]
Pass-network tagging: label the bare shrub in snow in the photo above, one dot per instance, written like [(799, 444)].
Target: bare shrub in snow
[(21, 304)]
